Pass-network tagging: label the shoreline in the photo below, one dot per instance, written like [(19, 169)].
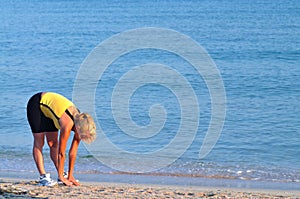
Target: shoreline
[(164, 180), (25, 188), (24, 185)]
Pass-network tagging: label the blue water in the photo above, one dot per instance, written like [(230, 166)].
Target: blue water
[(255, 46)]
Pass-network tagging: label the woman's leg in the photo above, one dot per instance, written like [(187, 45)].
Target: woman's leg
[(37, 151), (52, 140)]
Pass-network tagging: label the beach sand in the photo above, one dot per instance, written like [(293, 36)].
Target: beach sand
[(23, 188)]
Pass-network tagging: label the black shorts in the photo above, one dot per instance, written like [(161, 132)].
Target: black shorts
[(36, 118)]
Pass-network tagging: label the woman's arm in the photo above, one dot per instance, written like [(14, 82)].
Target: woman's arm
[(65, 130), (63, 139), (72, 158)]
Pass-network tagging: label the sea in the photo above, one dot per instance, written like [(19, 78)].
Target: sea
[(255, 50)]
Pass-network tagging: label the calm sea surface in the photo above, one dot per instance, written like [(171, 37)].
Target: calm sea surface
[(255, 45)]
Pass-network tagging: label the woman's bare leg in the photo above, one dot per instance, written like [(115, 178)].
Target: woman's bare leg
[(37, 151), (52, 140)]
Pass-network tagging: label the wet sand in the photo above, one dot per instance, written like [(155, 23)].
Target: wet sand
[(24, 188)]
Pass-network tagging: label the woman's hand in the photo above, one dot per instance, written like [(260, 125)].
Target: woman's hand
[(73, 181), (66, 181)]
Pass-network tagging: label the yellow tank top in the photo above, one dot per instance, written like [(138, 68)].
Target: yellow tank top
[(54, 105)]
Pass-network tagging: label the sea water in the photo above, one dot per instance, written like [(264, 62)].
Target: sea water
[(255, 46)]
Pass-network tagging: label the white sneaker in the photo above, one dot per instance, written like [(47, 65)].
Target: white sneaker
[(45, 180)]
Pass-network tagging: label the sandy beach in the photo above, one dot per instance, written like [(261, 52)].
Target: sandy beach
[(23, 188)]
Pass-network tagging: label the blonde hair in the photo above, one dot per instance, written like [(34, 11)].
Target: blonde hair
[(85, 127)]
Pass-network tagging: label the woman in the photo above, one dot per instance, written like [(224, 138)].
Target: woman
[(47, 113)]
